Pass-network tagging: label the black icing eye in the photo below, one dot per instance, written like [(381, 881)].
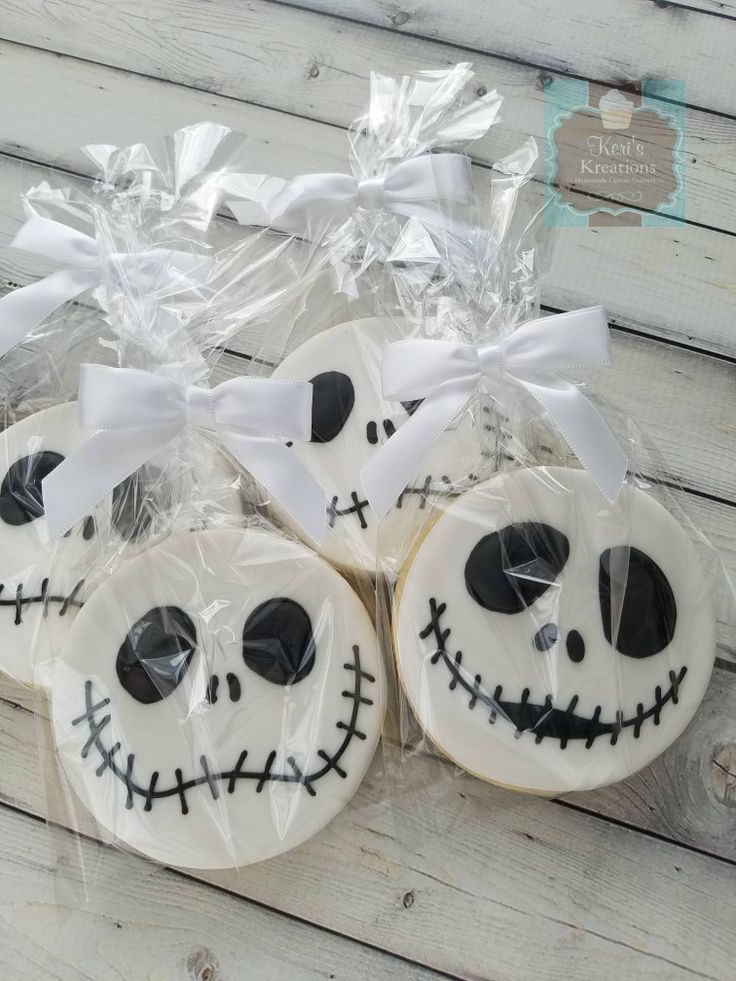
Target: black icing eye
[(510, 569), (333, 399), (156, 653), (637, 603), (278, 643), (21, 500)]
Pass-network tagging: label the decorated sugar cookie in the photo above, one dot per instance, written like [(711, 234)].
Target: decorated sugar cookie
[(40, 579), (350, 423), (219, 699), (548, 640)]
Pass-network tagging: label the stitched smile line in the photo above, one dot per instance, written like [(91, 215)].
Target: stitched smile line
[(213, 780), (19, 600), (543, 720), (358, 505)]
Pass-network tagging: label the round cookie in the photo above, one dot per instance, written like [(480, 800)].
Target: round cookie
[(350, 423), (41, 582), (219, 698), (548, 640)]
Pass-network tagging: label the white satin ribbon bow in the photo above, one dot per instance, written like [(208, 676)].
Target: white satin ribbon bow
[(25, 308), (446, 373), (137, 413), (413, 188)]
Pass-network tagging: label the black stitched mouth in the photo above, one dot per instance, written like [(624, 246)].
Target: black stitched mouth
[(358, 505), (261, 776), (64, 602), (543, 720)]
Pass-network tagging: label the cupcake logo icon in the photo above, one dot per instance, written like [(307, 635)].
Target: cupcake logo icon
[(615, 109)]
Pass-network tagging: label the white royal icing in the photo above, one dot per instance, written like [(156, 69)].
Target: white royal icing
[(254, 743), (43, 582), (354, 350), (495, 691)]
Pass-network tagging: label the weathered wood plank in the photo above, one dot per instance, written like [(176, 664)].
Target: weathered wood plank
[(689, 793), (681, 290), (724, 8), (317, 66), (642, 40), (476, 881), (146, 921)]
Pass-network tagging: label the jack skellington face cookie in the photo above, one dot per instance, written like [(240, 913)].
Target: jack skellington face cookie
[(548, 640), (41, 582), (219, 698), (350, 423)]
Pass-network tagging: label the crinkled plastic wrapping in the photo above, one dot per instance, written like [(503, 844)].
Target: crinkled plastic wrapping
[(229, 676), (88, 246), (218, 700), (241, 690), (385, 224), (545, 637), (394, 240), (161, 202)]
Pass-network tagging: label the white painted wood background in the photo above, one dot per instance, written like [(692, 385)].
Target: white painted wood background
[(635, 881)]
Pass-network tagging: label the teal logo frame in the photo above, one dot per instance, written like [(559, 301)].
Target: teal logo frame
[(565, 97)]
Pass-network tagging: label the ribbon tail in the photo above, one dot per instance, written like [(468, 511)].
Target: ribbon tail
[(25, 308), (397, 462), (85, 477), (585, 430), (284, 476)]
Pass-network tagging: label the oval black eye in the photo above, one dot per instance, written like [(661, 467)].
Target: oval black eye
[(511, 568), (131, 504), (156, 653), (21, 500), (278, 643), (637, 603), (333, 399)]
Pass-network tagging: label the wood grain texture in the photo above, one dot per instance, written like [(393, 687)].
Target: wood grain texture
[(689, 793), (642, 40), (463, 878), (674, 282), (317, 66), (468, 879), (141, 920)]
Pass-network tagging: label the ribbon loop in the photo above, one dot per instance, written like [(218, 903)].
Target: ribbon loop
[(84, 269), (446, 373), (137, 413), (59, 243), (415, 188)]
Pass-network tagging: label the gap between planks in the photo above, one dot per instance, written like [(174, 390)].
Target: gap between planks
[(679, 290), (186, 45), (541, 37), (436, 895), (313, 950)]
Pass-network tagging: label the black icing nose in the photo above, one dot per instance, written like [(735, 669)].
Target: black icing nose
[(575, 646)]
